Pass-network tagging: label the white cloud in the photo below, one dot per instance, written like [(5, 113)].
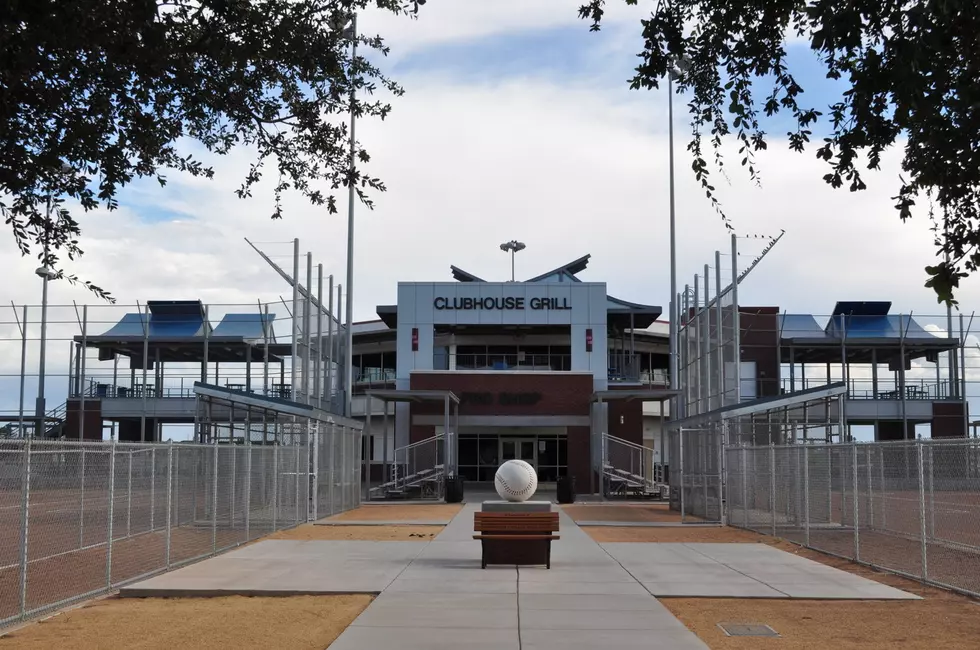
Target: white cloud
[(454, 21), (569, 168)]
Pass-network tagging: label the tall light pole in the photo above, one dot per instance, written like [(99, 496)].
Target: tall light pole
[(46, 273), (348, 25), (513, 246), (675, 308)]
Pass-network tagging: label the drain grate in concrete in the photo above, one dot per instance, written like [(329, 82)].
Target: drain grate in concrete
[(747, 629)]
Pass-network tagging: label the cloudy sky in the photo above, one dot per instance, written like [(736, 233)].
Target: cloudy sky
[(517, 123)]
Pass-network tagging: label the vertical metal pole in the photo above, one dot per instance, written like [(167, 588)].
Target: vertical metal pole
[(248, 475), (129, 492), (214, 496), (854, 499), (294, 353), (772, 487), (308, 329), (806, 495), (680, 459), (743, 453), (170, 498), (81, 504), (719, 334), (674, 316), (153, 483), (384, 422), (318, 370), (871, 492), (706, 343), (330, 348), (697, 361), (23, 371), (932, 493), (349, 340), (25, 498), (265, 351), (84, 349), (736, 325), (342, 358), (296, 457), (146, 360), (275, 483), (112, 502), (922, 514)]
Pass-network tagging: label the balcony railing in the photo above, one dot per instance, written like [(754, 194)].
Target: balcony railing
[(915, 389), (527, 362)]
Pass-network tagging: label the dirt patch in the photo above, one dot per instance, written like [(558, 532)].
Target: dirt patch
[(941, 621), (232, 622), (407, 512), (654, 512), (675, 534), (308, 532)]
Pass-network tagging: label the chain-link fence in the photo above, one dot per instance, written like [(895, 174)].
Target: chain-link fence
[(911, 508), (78, 519), (696, 471)]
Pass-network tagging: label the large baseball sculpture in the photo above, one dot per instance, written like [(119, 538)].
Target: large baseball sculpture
[(515, 481)]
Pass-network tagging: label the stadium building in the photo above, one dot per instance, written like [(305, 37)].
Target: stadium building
[(518, 369)]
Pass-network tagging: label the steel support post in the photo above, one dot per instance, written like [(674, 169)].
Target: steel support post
[(922, 515), (170, 482), (855, 502), (806, 495), (214, 496), (112, 502)]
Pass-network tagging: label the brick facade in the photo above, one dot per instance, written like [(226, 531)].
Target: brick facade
[(560, 394)]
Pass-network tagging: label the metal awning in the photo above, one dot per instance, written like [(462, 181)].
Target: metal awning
[(764, 404), (413, 395), (656, 395)]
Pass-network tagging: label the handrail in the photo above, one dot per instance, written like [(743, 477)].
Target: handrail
[(627, 442)]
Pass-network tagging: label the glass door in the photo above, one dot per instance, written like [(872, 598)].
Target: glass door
[(519, 449)]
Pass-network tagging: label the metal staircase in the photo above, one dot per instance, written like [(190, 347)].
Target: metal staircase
[(417, 472), (628, 470)]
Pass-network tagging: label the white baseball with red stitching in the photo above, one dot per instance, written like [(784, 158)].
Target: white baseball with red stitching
[(515, 481)]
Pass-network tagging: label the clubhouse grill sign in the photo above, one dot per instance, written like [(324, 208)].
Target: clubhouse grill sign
[(500, 304)]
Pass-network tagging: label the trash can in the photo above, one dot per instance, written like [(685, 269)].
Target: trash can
[(454, 489), (566, 489)]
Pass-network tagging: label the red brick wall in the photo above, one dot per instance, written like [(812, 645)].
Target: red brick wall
[(561, 394)]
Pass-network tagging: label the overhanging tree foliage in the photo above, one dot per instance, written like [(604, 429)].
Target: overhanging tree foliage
[(97, 93), (911, 70)]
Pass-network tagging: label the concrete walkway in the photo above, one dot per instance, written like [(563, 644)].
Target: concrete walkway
[(444, 600)]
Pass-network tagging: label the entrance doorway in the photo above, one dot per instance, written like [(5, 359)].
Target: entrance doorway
[(519, 449)]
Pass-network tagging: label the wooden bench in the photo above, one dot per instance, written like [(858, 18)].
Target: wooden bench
[(521, 538)]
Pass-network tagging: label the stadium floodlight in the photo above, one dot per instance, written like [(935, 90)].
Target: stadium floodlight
[(512, 247)]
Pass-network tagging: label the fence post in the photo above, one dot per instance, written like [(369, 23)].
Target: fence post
[(743, 453), (922, 513), (296, 449), (806, 494), (153, 485), (248, 486), (332, 455), (932, 493), (854, 499), (170, 481), (112, 503), (25, 498), (871, 493), (275, 483), (680, 468), (214, 497), (772, 486), (129, 494), (81, 509), (721, 468)]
